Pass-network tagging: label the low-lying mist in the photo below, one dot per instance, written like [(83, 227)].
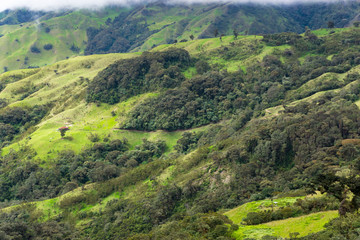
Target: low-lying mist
[(47, 5)]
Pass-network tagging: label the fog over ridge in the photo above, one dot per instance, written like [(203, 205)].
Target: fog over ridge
[(93, 4)]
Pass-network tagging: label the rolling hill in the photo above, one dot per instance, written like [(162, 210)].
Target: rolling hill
[(165, 144)]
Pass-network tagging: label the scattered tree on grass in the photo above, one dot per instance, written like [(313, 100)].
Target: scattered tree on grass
[(236, 34), (63, 130), (35, 49), (48, 46), (75, 48), (192, 37), (221, 36), (216, 32)]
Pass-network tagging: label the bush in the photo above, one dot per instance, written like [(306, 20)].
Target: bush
[(35, 49), (94, 137), (75, 48), (48, 46)]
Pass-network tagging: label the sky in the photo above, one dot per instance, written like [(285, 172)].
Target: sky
[(65, 4)]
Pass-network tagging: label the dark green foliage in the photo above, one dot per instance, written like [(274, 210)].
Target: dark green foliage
[(17, 120), (200, 100), (130, 77), (101, 162), (14, 17), (199, 226), (214, 95), (48, 46), (3, 102), (35, 49), (75, 48), (94, 137), (202, 67), (187, 142), (121, 35), (22, 223), (331, 24)]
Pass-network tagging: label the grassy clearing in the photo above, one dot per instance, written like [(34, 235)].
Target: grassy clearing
[(304, 225), (326, 31), (239, 213)]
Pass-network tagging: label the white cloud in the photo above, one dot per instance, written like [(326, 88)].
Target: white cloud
[(58, 4)]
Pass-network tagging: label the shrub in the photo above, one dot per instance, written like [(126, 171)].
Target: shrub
[(94, 137), (35, 49), (48, 46)]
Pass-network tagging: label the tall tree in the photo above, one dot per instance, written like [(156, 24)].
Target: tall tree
[(331, 24), (216, 32), (236, 34)]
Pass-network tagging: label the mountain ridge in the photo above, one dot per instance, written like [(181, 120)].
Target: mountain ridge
[(143, 27)]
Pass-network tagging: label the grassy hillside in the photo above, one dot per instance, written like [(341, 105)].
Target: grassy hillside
[(303, 225), (158, 23), (62, 31), (64, 85), (277, 112), (24, 34)]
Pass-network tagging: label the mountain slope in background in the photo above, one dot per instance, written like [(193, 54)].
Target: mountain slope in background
[(33, 39), (160, 23)]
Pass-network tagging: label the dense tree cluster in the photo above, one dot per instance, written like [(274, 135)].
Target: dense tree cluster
[(216, 94), (130, 77), (103, 161), (22, 223), (120, 35), (16, 120)]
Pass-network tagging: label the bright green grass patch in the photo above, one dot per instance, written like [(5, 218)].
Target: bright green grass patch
[(238, 214), (190, 72), (101, 205), (304, 225), (88, 119), (50, 208), (325, 31)]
